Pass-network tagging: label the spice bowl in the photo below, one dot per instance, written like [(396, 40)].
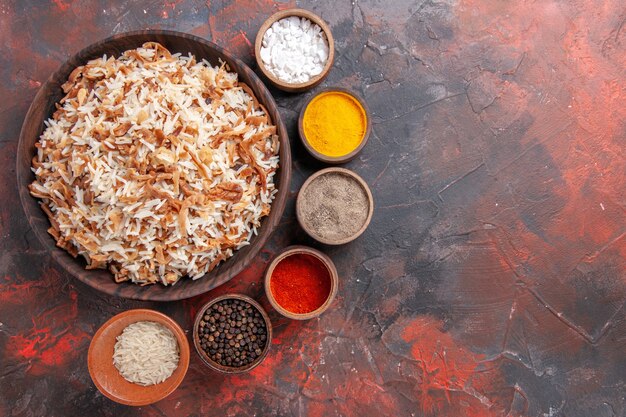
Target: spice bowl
[(243, 339), (334, 113), (107, 378), (284, 289), (315, 80), (334, 206)]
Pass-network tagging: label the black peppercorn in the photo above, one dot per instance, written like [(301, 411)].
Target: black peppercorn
[(233, 333)]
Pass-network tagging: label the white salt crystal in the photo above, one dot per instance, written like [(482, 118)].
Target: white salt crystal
[(294, 50)]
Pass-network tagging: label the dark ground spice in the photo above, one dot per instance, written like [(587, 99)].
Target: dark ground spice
[(335, 206)]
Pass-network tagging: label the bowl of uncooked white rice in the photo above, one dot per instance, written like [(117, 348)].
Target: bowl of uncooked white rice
[(162, 167), (146, 353), (138, 357)]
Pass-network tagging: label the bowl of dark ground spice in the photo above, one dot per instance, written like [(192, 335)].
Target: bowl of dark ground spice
[(334, 206), (232, 333), (301, 282)]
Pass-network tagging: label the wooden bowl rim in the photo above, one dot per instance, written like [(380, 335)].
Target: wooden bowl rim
[(298, 87), (142, 314), (128, 290), (229, 369), (343, 171), (335, 159), (324, 259)]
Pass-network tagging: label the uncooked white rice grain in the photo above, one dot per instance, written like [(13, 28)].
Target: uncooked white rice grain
[(146, 353)]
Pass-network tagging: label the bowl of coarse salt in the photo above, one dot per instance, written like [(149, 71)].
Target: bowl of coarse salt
[(294, 49)]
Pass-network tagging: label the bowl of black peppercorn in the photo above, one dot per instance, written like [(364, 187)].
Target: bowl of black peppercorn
[(232, 333)]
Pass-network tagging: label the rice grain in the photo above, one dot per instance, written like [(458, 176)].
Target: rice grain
[(155, 166)]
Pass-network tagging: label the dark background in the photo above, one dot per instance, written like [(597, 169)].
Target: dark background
[(492, 279)]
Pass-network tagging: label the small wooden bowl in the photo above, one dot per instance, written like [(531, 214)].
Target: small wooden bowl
[(335, 159), (230, 369), (294, 88), (324, 259), (107, 378), (300, 205)]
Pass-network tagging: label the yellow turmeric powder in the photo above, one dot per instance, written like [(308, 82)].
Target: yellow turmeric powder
[(334, 123)]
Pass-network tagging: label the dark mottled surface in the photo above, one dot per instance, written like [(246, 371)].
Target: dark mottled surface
[(492, 280)]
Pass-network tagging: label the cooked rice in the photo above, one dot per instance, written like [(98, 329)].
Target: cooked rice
[(155, 165), (146, 353)]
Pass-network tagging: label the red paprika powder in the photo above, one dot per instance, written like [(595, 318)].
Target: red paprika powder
[(300, 283)]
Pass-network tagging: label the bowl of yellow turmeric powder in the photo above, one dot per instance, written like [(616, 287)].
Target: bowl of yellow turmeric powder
[(334, 125)]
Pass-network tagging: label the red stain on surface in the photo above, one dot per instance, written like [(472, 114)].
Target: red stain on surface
[(545, 101), (317, 409), (52, 341), (568, 211), (17, 293), (363, 394), (171, 4), (62, 5), (452, 379), (300, 365), (226, 25), (34, 83), (239, 45), (589, 153)]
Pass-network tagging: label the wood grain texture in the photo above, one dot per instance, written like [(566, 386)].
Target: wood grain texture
[(42, 108)]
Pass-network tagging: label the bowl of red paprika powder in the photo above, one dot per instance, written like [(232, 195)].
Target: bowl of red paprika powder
[(301, 282)]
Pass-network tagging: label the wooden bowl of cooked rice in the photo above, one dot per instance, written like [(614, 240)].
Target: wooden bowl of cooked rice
[(193, 222)]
